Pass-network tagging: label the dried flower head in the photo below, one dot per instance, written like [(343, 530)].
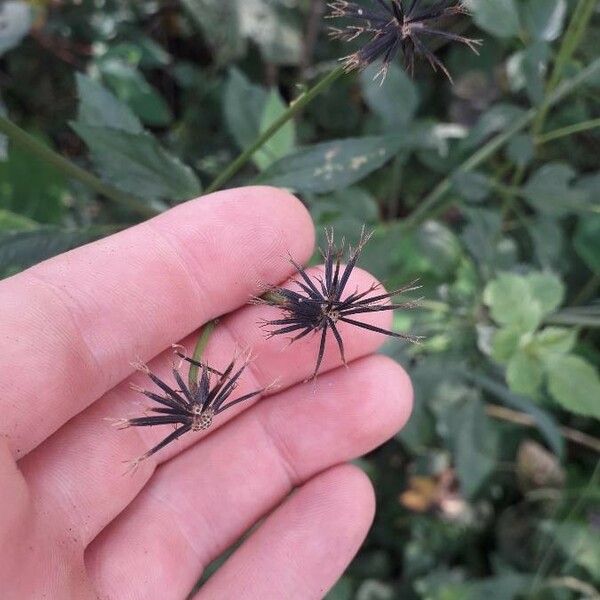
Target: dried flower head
[(189, 408), (394, 26), (321, 303)]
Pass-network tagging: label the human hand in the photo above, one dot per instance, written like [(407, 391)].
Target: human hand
[(72, 526)]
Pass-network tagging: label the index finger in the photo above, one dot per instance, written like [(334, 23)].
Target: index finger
[(70, 327)]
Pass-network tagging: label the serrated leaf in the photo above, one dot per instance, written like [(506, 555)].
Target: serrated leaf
[(574, 384), (100, 108), (550, 190), (547, 289), (505, 343), (554, 340), (511, 302), (331, 166), (524, 373), (138, 164), (283, 142)]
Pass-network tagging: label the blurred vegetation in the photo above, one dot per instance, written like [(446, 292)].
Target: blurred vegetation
[(488, 191)]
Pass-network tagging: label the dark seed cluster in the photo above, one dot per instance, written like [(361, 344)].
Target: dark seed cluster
[(189, 408), (397, 26), (321, 303)]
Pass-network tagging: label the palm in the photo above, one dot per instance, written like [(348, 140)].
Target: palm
[(72, 526)]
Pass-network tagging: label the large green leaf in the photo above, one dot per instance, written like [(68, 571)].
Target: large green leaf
[(137, 164), (574, 384), (331, 166)]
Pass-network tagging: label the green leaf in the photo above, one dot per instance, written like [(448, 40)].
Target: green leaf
[(544, 19), (384, 100), (284, 141), (265, 23), (21, 249), (100, 108), (524, 373), (346, 210), (243, 107), (31, 187), (554, 340), (137, 164), (131, 87), (331, 166), (527, 68), (574, 384), (220, 26), (472, 186), (550, 190), (521, 150), (587, 241), (547, 289), (581, 545), (498, 17), (511, 302), (12, 221), (505, 343), (473, 444)]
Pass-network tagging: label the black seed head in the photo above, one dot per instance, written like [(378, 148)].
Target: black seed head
[(188, 408), (321, 303), (396, 26)]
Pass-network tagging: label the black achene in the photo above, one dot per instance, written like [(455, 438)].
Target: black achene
[(397, 26), (191, 408), (321, 304)]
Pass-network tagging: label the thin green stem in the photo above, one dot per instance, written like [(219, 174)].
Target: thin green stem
[(572, 38), (433, 200), (566, 131), (203, 338), (33, 146), (266, 135)]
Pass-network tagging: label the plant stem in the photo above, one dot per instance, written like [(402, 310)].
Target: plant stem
[(30, 144), (294, 108), (203, 338), (566, 131), (520, 418), (428, 204), (573, 36)]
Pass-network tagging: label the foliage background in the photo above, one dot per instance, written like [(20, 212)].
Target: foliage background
[(493, 489)]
